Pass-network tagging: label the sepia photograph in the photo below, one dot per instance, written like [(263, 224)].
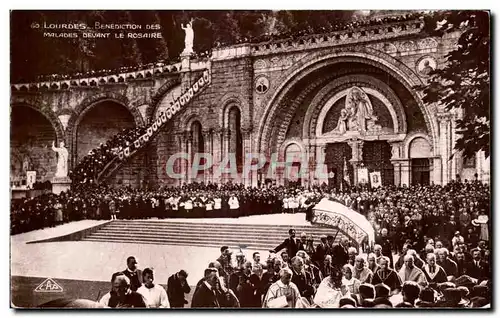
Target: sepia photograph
[(250, 159)]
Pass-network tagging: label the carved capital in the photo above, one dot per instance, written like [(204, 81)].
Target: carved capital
[(444, 118), (397, 150), (357, 149)]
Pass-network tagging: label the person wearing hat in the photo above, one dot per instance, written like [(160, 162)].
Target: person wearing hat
[(482, 222), (457, 239)]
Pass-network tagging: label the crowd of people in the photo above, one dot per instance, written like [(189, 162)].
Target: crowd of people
[(407, 213), (94, 162), (335, 26), (327, 276)]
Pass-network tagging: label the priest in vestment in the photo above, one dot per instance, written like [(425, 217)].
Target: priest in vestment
[(433, 272), (409, 272)]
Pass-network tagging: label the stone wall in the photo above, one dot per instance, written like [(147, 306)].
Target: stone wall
[(30, 145)]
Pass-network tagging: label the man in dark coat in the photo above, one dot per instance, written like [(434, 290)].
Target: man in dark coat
[(479, 269), (320, 253), (385, 242), (302, 279), (207, 295), (291, 244), (247, 290), (133, 273), (340, 256), (177, 286)]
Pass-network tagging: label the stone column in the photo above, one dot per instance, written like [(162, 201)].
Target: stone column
[(189, 148), (320, 165), (396, 160), (357, 156), (207, 138), (437, 170), (405, 171), (182, 140), (217, 153), (226, 135), (444, 144), (246, 135)]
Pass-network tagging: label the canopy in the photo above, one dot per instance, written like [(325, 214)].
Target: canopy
[(352, 223)]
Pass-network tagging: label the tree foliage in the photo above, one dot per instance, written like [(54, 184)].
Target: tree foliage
[(464, 81)]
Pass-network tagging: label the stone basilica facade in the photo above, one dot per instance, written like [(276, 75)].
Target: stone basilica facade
[(343, 98)]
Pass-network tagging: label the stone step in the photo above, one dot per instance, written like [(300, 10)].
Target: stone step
[(189, 224), (314, 231), (253, 236), (193, 236)]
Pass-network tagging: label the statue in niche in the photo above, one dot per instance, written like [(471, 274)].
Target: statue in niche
[(62, 160), (357, 115)]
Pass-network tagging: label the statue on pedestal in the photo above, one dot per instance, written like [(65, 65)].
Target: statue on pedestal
[(189, 38), (62, 160)]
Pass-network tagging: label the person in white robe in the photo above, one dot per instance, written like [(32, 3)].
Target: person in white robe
[(283, 293), (154, 295)]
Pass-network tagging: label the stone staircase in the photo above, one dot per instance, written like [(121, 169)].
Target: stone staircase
[(257, 237)]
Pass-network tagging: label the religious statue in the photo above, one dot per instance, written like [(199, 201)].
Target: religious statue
[(357, 115), (189, 38), (341, 124), (62, 160)]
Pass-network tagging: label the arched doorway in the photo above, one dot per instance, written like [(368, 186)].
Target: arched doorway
[(100, 123), (420, 153), (293, 158), (303, 92), (31, 138)]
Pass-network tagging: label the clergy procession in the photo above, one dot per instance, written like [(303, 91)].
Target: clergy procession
[(298, 275)]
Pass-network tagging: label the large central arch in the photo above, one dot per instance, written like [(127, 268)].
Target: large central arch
[(319, 60)]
